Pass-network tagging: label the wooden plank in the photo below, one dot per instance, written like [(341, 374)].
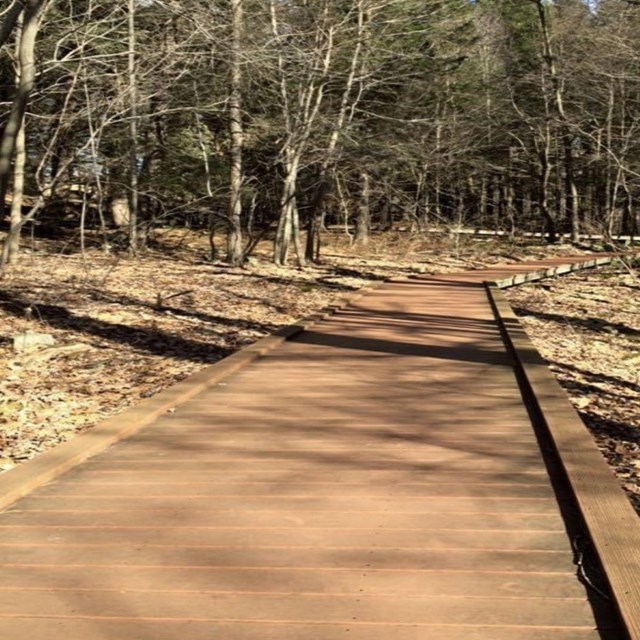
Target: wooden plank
[(283, 448), (317, 489), (577, 264), (297, 504), (299, 608), (269, 518), (518, 539), (176, 475), (65, 628), (317, 558), (179, 579), (330, 461)]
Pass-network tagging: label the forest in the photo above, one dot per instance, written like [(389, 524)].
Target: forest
[(319, 319), (280, 120)]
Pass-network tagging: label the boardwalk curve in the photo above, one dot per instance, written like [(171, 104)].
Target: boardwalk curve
[(372, 473)]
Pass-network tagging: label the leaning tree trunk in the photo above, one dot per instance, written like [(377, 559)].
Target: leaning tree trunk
[(299, 123), (32, 12)]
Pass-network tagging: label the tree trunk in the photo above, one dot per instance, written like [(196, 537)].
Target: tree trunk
[(386, 214), (628, 221), (437, 172), (497, 204), (343, 119), (18, 197), (236, 131), (13, 241), (545, 177), (484, 187), (571, 191), (284, 232), (560, 191), (13, 134), (608, 187), (312, 246), (133, 131), (363, 222), (314, 226), (295, 234), (26, 61), (509, 198)]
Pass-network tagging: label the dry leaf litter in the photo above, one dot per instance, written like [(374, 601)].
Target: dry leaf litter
[(587, 326)]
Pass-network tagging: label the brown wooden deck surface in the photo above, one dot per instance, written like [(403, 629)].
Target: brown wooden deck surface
[(376, 478)]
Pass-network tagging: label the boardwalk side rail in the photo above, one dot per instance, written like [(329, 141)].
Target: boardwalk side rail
[(558, 270), (609, 518)]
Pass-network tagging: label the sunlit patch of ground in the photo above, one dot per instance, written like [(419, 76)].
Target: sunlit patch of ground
[(587, 326)]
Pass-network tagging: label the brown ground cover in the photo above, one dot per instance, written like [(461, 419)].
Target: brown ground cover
[(126, 329), (587, 325)]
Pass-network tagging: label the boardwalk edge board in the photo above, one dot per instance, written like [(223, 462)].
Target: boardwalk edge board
[(541, 274), (34, 473), (607, 514)]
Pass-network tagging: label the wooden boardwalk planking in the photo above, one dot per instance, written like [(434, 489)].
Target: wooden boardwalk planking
[(375, 477)]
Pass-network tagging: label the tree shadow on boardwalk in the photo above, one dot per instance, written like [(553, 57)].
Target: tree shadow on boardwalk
[(391, 347)]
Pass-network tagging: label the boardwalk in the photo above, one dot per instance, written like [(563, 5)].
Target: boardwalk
[(376, 478)]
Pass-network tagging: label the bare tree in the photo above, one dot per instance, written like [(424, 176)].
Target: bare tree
[(572, 198), (351, 95), (31, 15), (301, 109), (235, 253)]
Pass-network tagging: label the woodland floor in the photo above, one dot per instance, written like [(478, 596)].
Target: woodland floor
[(125, 329), (587, 326)]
